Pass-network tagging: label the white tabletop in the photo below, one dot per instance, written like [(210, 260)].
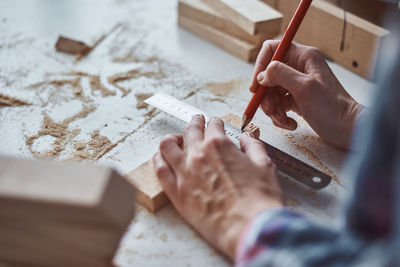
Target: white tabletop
[(147, 28)]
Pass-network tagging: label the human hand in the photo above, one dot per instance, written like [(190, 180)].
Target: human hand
[(216, 187), (307, 86)]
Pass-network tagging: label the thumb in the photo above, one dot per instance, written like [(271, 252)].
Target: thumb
[(280, 74), (254, 149)]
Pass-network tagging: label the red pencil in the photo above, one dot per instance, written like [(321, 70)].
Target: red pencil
[(279, 55)]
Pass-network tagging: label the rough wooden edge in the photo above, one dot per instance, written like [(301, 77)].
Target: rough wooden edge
[(246, 23), (198, 11), (149, 191)]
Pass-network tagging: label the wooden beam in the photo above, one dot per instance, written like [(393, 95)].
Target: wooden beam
[(253, 16), (323, 28), (149, 191), (236, 47), (198, 11)]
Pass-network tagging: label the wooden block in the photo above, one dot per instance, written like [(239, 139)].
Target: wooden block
[(149, 191), (323, 28), (71, 46), (237, 122), (49, 244), (198, 11), (50, 211), (239, 48), (253, 16), (63, 191)]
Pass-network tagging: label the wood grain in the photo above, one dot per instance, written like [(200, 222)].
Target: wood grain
[(236, 47), (198, 11), (323, 28), (253, 16), (149, 191)]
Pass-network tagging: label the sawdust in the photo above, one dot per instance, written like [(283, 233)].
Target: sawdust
[(139, 236), (135, 55), (133, 74), (216, 99), (163, 237), (75, 84), (140, 98), (12, 101), (79, 56), (94, 82), (291, 202), (192, 93), (79, 145), (224, 88), (311, 155), (59, 130)]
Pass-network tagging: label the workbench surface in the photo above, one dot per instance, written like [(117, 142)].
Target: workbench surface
[(142, 37)]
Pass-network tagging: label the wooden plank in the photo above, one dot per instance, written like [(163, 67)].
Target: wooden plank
[(323, 28), (253, 16), (149, 191), (236, 47), (198, 11)]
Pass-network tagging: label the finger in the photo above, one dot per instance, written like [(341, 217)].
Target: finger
[(170, 148), (165, 174), (215, 128), (268, 103), (264, 58), (254, 149), (280, 74), (262, 61), (194, 132)]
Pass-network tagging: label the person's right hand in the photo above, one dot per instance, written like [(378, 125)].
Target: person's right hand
[(307, 86)]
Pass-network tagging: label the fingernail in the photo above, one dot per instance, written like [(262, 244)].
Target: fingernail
[(260, 77)]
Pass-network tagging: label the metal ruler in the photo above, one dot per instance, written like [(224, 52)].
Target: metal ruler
[(286, 165)]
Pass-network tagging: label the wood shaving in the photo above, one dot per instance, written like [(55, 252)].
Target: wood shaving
[(140, 98), (12, 101)]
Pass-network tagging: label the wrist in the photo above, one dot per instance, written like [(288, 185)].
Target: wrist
[(355, 112), (241, 216)]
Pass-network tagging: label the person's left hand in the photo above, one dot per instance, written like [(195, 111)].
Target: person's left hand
[(216, 187)]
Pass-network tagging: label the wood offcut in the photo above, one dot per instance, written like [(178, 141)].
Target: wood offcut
[(149, 191)]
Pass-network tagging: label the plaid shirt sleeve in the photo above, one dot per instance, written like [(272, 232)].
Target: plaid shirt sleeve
[(371, 235)]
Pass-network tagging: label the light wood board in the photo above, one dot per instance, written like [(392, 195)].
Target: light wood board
[(323, 28), (253, 16), (198, 11), (149, 191), (239, 48)]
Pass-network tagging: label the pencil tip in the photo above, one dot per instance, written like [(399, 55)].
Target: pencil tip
[(245, 122)]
